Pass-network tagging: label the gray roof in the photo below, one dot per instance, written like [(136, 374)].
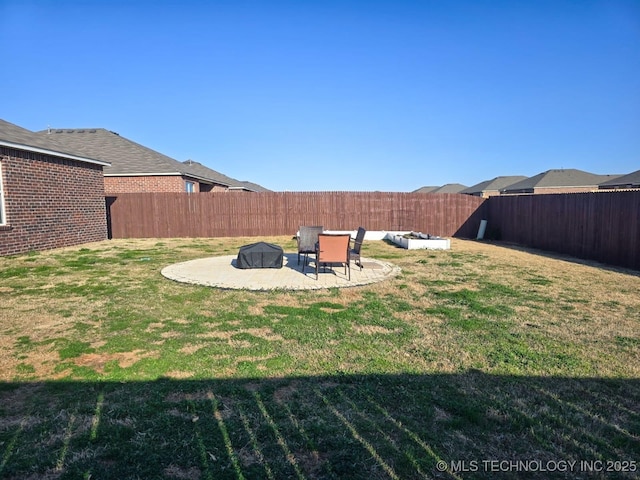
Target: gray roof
[(631, 180), (426, 189), (494, 185), (447, 188), (450, 188), (201, 170), (126, 157), (17, 137), (558, 178), (253, 187), (129, 158)]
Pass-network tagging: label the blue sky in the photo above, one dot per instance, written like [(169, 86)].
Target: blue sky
[(337, 95)]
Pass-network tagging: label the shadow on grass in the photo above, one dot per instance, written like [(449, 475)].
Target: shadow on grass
[(376, 426), (621, 267)]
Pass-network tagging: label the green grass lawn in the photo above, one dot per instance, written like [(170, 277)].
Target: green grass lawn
[(480, 362)]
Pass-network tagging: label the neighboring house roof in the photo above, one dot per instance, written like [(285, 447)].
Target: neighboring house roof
[(425, 189), (201, 170), (450, 188), (129, 158), (494, 185), (631, 180), (254, 187), (14, 136), (558, 178)]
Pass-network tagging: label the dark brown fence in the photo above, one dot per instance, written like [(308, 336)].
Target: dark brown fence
[(165, 215), (598, 226)]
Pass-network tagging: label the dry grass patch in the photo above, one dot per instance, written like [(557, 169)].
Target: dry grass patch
[(173, 471), (374, 330), (179, 375), (98, 361), (191, 349)]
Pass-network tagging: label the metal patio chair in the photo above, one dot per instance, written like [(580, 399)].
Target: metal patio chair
[(307, 239), (354, 252), (333, 249)]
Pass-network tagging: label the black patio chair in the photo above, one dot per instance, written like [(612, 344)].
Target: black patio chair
[(307, 239), (357, 244)]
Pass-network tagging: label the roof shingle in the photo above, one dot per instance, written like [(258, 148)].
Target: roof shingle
[(558, 178), (126, 157), (14, 135), (130, 158), (631, 180), (494, 185)]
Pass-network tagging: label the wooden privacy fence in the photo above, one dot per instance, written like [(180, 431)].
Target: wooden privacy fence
[(226, 214), (598, 226)]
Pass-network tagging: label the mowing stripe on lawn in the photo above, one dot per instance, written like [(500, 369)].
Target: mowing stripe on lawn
[(354, 432), (225, 434), (11, 446), (65, 443), (204, 461), (411, 434), (254, 444), (279, 437), (371, 422)]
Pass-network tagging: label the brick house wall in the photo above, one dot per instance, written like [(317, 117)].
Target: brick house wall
[(543, 190), (144, 184), (155, 183), (50, 202), (550, 190), (215, 188)]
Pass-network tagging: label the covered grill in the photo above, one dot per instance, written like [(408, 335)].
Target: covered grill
[(260, 255)]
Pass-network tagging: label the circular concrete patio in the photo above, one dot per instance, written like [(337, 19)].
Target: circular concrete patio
[(222, 272)]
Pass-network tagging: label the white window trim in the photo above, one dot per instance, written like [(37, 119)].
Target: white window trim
[(3, 211), (188, 183)]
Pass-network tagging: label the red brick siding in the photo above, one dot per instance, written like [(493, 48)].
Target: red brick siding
[(156, 184), (542, 190), (550, 190), (145, 184), (50, 202)]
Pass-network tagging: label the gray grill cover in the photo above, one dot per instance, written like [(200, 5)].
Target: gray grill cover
[(260, 255)]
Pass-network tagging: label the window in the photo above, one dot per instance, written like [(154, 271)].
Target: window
[(3, 217), (189, 187)]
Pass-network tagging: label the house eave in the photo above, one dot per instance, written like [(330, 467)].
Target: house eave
[(148, 174), (168, 174), (54, 153)]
